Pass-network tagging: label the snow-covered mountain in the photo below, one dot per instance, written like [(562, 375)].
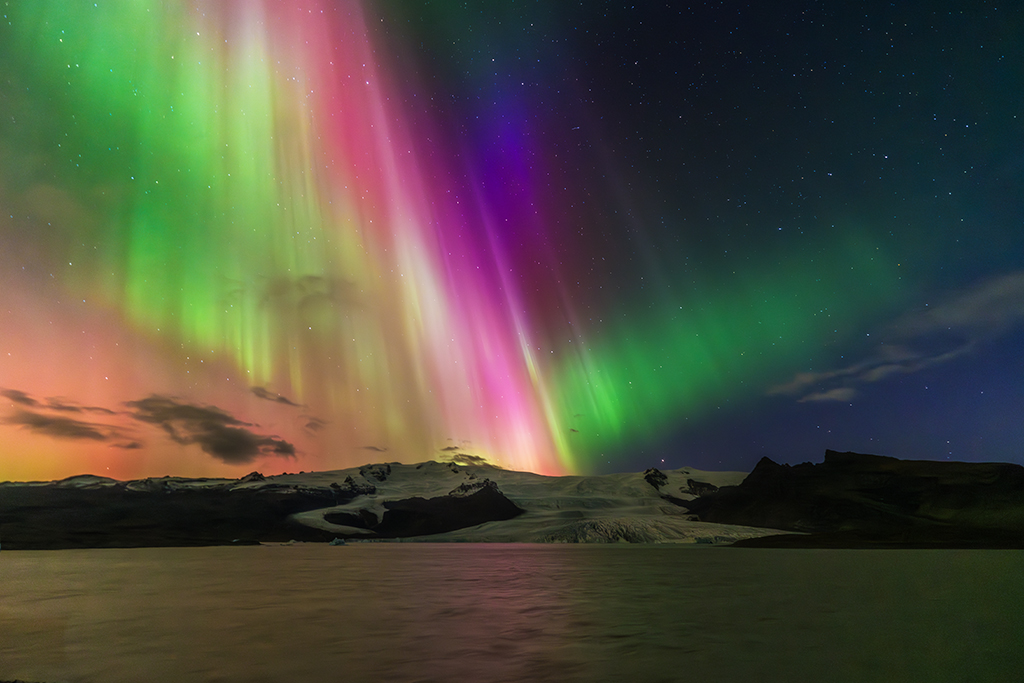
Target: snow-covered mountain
[(430, 501)]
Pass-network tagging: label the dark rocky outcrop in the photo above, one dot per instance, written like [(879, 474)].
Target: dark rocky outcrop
[(359, 488), (378, 472), (659, 480), (698, 488), (85, 481), (469, 488), (655, 477), (468, 505), (856, 500), (34, 517)]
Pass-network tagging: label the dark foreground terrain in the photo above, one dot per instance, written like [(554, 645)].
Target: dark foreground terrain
[(847, 501), (55, 516), (869, 501), (92, 512)]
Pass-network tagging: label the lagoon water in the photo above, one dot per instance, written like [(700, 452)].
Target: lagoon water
[(466, 612)]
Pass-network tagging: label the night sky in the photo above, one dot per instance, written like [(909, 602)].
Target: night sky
[(559, 237)]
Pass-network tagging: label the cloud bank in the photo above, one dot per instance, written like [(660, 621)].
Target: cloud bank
[(216, 432), (38, 417), (61, 427)]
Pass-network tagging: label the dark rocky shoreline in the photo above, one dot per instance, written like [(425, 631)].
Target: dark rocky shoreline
[(54, 517), (853, 500)]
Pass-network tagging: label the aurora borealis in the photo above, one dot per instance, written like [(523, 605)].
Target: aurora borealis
[(278, 235)]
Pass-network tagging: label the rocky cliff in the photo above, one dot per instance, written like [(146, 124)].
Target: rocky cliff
[(857, 500)]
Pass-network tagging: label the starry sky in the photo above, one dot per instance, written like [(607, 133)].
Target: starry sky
[(558, 237)]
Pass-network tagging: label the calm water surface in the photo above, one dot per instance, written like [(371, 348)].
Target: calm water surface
[(464, 612)]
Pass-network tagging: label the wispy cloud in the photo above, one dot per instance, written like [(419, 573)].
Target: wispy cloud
[(989, 308), (921, 339), (72, 407), (19, 397), (216, 432), (35, 416), (276, 398), (314, 424), (61, 427), (837, 394)]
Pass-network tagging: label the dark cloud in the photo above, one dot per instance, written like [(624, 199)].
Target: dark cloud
[(52, 404), (314, 424), (57, 404), (450, 448), (378, 449), (58, 426), (130, 446), (216, 432), (61, 427), (276, 398), (307, 291), (19, 397), (66, 407)]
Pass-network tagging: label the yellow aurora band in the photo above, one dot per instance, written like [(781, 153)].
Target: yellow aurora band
[(236, 184)]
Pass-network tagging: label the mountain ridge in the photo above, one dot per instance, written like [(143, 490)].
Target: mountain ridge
[(863, 500), (429, 501)]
